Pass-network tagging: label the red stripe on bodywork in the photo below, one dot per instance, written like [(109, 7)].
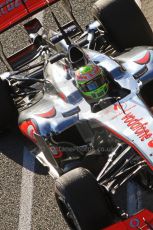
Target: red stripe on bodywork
[(49, 114), (144, 60), (62, 96), (28, 128)]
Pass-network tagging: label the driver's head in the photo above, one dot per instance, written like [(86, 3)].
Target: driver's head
[(92, 81)]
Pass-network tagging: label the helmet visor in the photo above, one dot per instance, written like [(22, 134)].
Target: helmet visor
[(92, 85)]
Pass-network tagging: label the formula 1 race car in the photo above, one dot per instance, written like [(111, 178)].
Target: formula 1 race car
[(86, 106)]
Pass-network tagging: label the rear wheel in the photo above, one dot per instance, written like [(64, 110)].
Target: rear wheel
[(84, 204), (124, 23)]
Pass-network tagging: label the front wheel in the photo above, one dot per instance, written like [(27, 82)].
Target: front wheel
[(84, 204), (124, 23)]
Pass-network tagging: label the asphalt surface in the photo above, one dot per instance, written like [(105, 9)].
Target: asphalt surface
[(26, 193)]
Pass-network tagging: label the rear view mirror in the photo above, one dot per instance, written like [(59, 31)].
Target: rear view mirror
[(33, 26)]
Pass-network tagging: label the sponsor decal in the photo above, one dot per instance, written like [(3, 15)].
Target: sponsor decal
[(135, 223), (137, 126), (118, 109), (140, 224), (9, 5)]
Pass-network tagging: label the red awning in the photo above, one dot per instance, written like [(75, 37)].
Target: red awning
[(14, 11)]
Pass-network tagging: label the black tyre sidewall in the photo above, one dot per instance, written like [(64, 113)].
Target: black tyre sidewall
[(124, 22), (88, 203)]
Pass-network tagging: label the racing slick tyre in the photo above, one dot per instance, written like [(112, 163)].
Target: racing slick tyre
[(8, 114), (124, 23), (84, 204)]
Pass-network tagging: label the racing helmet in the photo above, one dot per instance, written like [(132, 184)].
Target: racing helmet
[(92, 81)]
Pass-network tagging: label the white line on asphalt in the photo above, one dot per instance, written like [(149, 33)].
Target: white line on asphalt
[(26, 191)]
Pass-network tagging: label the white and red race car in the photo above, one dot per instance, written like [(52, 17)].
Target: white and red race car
[(91, 150)]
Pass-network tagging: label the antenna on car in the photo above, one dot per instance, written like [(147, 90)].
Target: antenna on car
[(117, 99), (66, 38)]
